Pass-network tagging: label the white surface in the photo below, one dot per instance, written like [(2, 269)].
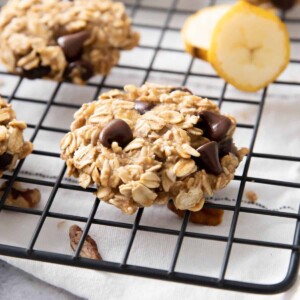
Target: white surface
[(98, 285), (278, 134), (16, 284)]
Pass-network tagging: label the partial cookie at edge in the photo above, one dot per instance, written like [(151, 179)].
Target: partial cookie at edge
[(12, 144), (64, 40)]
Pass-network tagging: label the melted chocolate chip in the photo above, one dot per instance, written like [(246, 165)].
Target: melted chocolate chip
[(26, 194), (195, 51), (181, 88), (84, 68), (35, 73), (15, 193), (284, 4), (72, 44), (209, 158), (116, 131), (142, 107), (215, 126), (5, 160), (225, 146)]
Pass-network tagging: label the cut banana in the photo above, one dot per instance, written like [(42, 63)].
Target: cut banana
[(249, 47), (198, 28)]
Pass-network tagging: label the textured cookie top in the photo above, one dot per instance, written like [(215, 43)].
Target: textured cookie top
[(69, 40), (149, 144), (12, 144)]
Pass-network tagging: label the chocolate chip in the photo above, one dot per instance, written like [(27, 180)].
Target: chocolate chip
[(72, 44), (216, 126), (35, 73), (26, 194), (195, 51), (209, 158), (84, 68), (225, 146), (284, 4), (116, 131), (142, 107), (181, 88), (15, 193), (5, 160)]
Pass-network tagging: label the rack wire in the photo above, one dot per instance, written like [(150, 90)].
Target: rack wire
[(124, 267)]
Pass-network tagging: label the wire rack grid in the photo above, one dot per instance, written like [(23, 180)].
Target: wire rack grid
[(170, 9)]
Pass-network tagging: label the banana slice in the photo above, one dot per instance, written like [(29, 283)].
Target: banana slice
[(198, 28), (249, 47)]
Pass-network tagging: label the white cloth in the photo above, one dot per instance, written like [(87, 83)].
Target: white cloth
[(278, 134)]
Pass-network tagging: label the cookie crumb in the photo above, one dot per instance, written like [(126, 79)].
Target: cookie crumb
[(60, 224), (20, 197), (89, 248), (244, 115), (251, 196)]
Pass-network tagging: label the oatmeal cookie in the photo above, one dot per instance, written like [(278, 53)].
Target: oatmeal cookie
[(64, 40), (12, 145), (150, 144)]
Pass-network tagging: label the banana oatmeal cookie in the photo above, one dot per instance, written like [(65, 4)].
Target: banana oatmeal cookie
[(12, 145), (150, 144), (64, 40)]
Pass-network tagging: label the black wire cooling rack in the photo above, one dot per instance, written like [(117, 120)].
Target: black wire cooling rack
[(156, 8)]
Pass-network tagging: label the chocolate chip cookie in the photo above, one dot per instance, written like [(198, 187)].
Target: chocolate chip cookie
[(12, 145), (150, 144), (64, 40)]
